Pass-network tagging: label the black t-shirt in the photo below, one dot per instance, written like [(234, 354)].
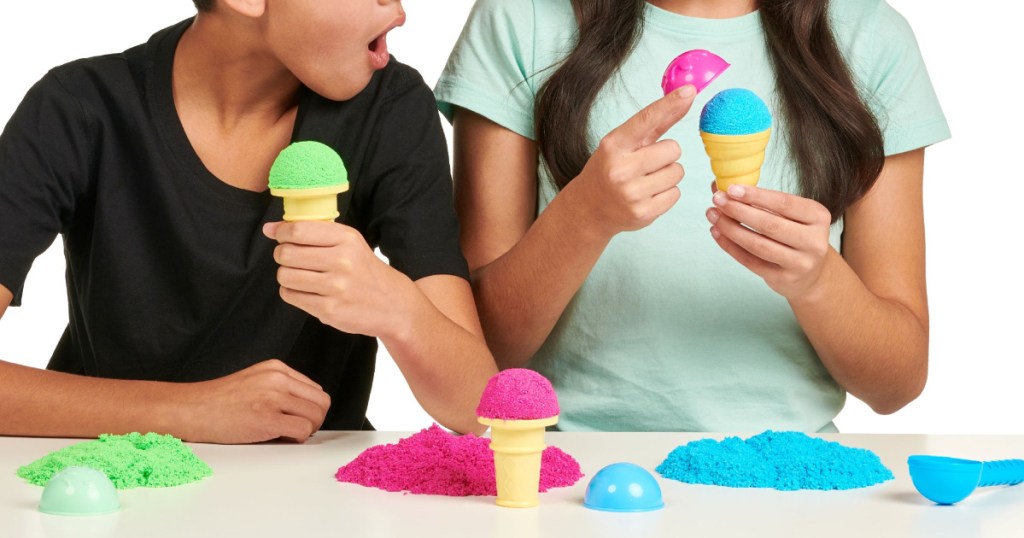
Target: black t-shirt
[(169, 275)]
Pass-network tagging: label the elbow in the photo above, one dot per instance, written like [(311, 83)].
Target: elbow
[(511, 360), (506, 354), (900, 398), (459, 415)]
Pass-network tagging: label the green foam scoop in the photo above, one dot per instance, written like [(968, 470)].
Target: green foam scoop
[(308, 176), (129, 461)]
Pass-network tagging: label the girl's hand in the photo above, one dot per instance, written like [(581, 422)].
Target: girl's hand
[(781, 237), (631, 179), (329, 271)]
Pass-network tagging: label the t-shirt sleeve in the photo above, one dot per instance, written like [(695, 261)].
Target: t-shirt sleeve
[(44, 156), (900, 93), (491, 69), (411, 206)]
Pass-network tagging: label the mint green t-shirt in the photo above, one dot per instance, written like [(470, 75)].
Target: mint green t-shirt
[(668, 332)]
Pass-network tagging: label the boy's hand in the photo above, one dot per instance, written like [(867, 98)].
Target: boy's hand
[(265, 401), (328, 270)]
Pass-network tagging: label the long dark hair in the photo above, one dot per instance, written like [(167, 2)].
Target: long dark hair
[(834, 137)]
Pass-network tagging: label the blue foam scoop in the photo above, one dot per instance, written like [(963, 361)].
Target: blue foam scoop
[(736, 111), (950, 480)]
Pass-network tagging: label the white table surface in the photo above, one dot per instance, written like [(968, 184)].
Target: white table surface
[(289, 490)]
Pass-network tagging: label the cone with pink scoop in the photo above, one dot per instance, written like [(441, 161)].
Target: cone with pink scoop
[(518, 404)]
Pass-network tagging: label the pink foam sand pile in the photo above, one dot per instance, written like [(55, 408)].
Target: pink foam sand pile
[(518, 394), (435, 462)]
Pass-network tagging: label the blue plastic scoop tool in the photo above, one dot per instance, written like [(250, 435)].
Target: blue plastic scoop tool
[(950, 480)]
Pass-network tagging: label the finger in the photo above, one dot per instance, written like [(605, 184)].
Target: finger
[(270, 229), (302, 280), (753, 263), (791, 206), (281, 366), (663, 201), (319, 259), (314, 395), (663, 180), (311, 303), (293, 428), (648, 125), (658, 155), (714, 187), (763, 247), (311, 233), (766, 223), (300, 407)]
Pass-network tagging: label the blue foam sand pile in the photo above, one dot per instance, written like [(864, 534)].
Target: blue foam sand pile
[(780, 460), (735, 111)]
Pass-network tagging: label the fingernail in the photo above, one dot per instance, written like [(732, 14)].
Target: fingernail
[(712, 215), (718, 198), (737, 191), (687, 91), (715, 233), (268, 230)]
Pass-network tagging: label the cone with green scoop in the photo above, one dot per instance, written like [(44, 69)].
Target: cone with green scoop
[(308, 176)]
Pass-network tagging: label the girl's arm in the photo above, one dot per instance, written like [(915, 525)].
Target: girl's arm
[(526, 268), (865, 311)]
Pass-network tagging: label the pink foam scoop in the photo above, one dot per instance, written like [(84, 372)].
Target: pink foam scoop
[(697, 67), (435, 462), (518, 394)]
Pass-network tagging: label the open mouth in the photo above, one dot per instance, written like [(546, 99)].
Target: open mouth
[(379, 44), (378, 48)]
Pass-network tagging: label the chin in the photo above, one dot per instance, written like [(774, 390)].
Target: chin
[(343, 89)]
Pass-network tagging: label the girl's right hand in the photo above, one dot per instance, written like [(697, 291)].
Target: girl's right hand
[(632, 178)]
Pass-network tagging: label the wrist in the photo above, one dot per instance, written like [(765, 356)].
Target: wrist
[(404, 307), (818, 292), (581, 216), (175, 410)]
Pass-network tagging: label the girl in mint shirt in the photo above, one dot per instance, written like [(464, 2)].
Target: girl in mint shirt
[(650, 303)]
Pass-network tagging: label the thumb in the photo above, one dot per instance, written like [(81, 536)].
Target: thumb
[(653, 121)]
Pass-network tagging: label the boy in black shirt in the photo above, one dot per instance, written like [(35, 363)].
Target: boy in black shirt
[(183, 287)]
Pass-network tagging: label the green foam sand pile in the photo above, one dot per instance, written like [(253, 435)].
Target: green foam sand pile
[(307, 165), (130, 461)]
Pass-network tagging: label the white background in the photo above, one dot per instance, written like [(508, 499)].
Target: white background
[(973, 190)]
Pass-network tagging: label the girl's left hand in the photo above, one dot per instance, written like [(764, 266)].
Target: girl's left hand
[(781, 237), (328, 270)]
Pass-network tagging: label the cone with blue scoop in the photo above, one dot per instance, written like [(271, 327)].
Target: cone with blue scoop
[(735, 126)]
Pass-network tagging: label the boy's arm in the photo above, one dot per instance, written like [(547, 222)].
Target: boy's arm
[(5, 299), (429, 326), (262, 402), (444, 349)]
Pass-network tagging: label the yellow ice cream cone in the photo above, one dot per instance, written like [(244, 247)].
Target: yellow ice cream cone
[(518, 446), (320, 203), (736, 159)]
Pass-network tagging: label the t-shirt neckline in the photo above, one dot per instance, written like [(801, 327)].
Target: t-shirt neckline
[(698, 26), (161, 102)]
